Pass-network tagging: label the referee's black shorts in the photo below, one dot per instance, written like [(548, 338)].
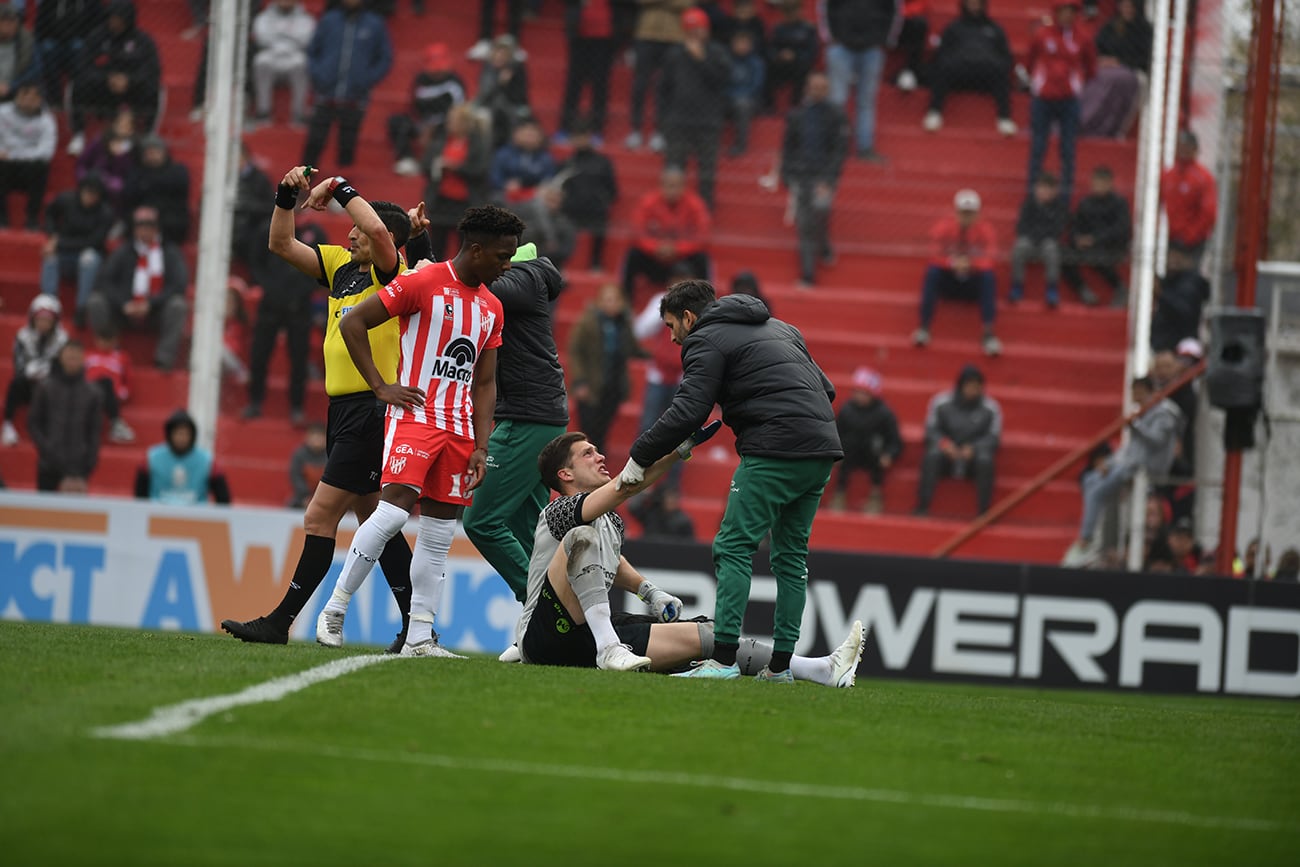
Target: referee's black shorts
[(552, 638), (354, 443)]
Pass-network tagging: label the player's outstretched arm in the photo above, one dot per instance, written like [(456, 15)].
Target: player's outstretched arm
[(623, 487), (354, 328), (281, 241)]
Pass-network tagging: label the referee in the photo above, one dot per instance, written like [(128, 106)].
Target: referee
[(355, 431)]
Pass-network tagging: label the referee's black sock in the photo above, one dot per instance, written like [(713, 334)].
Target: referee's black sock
[(395, 560), (780, 661), (313, 566), (724, 653)]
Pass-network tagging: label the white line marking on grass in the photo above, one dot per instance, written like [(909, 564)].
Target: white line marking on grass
[(745, 784), (175, 718)]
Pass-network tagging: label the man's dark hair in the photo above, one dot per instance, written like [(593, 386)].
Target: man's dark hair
[(1145, 381), (1047, 179), (554, 457), (395, 220), (692, 295), (1103, 171), (72, 343), (487, 223)]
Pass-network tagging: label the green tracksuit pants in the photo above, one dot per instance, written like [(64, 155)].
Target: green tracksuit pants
[(767, 494), (502, 517)]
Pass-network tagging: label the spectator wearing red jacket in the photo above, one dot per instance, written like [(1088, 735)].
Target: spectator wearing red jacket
[(963, 249), (672, 228), (1061, 59), (108, 368), (1191, 199)]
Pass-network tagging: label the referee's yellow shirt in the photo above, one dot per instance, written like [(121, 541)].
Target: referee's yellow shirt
[(350, 284)]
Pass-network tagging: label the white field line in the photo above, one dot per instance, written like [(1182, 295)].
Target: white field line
[(175, 718), (745, 784)]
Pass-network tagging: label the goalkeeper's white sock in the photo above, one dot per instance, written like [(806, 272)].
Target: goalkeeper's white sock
[(807, 668), (602, 629), (367, 544), (587, 577)]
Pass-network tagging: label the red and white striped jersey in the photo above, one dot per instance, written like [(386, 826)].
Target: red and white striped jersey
[(446, 325)]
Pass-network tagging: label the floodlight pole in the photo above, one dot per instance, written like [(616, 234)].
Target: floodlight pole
[(223, 126)]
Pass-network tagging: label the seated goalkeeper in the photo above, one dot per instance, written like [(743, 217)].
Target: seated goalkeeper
[(577, 557)]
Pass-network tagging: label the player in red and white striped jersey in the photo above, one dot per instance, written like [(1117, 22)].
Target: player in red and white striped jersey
[(440, 411)]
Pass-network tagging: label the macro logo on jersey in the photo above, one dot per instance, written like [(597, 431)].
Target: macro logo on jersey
[(457, 362)]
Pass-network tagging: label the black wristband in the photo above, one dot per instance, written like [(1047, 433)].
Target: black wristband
[(286, 197), (345, 193)]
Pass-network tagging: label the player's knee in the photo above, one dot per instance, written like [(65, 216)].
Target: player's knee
[(578, 540)]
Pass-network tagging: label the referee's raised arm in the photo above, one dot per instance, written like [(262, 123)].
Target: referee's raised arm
[(282, 241), (383, 253)]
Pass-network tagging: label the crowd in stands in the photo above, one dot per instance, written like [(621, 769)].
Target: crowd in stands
[(702, 72)]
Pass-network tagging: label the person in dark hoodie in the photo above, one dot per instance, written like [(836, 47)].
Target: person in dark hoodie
[(119, 67), (1098, 238), (160, 181), (64, 424), (1043, 215), (973, 54), (860, 30), (693, 101), (349, 54), (778, 402), (1127, 37), (1180, 298), (792, 52), (590, 188), (813, 149), (435, 91), (869, 433), (532, 409), (178, 471), (963, 429), (77, 223)]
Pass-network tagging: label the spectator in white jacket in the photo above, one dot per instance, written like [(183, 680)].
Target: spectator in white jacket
[(28, 136), (281, 33)]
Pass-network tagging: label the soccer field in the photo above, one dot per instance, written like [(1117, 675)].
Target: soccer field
[(429, 761)]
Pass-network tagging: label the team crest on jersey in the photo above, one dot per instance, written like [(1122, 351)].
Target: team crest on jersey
[(448, 311), (396, 465)]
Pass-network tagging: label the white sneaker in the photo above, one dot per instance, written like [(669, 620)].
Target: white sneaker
[(845, 658), (480, 51), (76, 145), (619, 657), (921, 337), (407, 167), (9, 435), (657, 142), (511, 654), (429, 647), (329, 627), (992, 346), (121, 432), (1007, 127), (907, 81), (933, 121), (633, 141), (1080, 555)]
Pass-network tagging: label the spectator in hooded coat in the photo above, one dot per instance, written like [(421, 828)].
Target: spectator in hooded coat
[(869, 435), (77, 224), (963, 429), (119, 68), (36, 346), (973, 55), (65, 424), (178, 471), (160, 181)]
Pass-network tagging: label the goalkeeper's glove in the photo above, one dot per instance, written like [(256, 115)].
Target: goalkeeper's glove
[(663, 605), (633, 474), (704, 434)]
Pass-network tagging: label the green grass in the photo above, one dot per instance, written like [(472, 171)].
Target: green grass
[(445, 762)]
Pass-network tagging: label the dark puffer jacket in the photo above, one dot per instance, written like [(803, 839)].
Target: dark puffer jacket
[(772, 393), (64, 424), (530, 382), (861, 24)]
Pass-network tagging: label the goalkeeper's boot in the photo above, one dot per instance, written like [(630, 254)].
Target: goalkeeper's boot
[(845, 658), (399, 641), (329, 627), (767, 676), (259, 631), (711, 669), (619, 657)]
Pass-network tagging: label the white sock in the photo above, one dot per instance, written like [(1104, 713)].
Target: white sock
[(601, 627), (428, 578), (817, 670), (367, 544)]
